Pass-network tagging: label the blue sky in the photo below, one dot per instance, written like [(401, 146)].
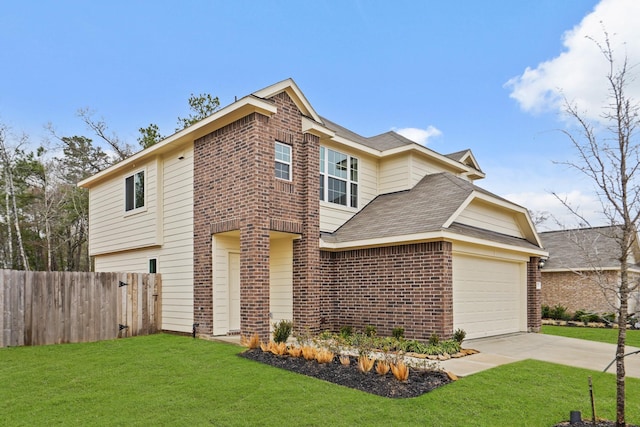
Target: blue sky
[(467, 74)]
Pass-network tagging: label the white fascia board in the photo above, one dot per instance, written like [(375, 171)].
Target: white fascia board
[(356, 146), (425, 237), (315, 128), (458, 211), (523, 217), (423, 150), (294, 92), (220, 118)]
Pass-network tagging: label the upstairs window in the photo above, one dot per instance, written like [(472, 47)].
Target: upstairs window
[(283, 161), (338, 178), (134, 191)]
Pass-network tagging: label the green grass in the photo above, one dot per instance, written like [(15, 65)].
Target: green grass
[(167, 380), (593, 334)]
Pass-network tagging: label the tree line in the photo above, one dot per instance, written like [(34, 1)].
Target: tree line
[(44, 215)]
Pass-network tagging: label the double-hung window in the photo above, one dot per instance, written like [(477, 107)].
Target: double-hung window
[(338, 178), (283, 161), (134, 191)]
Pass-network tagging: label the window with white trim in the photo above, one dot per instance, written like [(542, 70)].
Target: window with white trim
[(338, 178), (283, 161), (134, 191)]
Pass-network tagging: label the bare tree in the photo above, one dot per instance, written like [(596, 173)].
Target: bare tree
[(99, 127), (7, 163), (609, 156)]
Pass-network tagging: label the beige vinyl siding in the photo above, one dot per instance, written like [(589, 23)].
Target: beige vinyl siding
[(113, 229), (175, 255), (222, 246), (332, 216), (281, 280), (489, 217), (394, 174), (420, 167)]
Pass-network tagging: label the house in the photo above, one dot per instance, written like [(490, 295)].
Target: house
[(583, 270), (266, 211)]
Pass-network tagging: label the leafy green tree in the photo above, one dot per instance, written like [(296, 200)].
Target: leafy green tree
[(200, 106)]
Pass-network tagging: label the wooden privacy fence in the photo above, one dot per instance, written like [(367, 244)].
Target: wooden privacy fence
[(38, 308)]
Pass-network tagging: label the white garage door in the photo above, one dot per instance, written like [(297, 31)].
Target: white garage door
[(489, 296)]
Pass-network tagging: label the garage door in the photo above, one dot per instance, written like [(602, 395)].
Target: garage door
[(489, 296)]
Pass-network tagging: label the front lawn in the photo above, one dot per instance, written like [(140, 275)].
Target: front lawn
[(608, 335), (167, 380)]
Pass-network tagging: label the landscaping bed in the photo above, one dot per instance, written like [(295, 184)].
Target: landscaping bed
[(418, 383)]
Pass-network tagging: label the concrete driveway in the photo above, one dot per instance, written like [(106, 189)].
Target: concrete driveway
[(495, 351)]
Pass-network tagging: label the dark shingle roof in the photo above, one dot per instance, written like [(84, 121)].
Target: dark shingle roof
[(584, 248), (425, 208)]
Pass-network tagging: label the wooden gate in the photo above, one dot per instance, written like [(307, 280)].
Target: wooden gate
[(38, 308)]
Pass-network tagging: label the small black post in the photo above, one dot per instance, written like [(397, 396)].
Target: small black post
[(575, 417), (195, 326)]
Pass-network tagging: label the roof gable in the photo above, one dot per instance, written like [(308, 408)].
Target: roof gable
[(585, 248), (435, 204), (294, 92)]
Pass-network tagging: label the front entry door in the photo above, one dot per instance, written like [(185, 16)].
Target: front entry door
[(234, 292)]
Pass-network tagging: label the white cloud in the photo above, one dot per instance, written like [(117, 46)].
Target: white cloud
[(421, 136), (587, 205), (579, 72)]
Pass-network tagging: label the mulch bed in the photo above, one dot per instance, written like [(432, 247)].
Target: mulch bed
[(585, 423), (419, 381)]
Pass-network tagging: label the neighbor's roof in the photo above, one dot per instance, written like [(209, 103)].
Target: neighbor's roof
[(583, 248), (428, 207)]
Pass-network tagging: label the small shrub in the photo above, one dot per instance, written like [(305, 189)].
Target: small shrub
[(370, 331), (365, 363), (546, 311), (265, 347), (295, 351), (382, 367), (344, 360), (252, 342), (324, 356), (282, 330), (400, 370), (434, 339), (346, 331), (309, 353), (398, 333), (279, 348), (459, 335), (559, 312)]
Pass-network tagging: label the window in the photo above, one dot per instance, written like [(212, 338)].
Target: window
[(153, 265), (283, 161), (338, 178), (134, 191)]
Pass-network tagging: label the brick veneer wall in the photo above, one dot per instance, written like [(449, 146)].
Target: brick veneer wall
[(235, 189), (533, 295), (578, 292), (409, 286)]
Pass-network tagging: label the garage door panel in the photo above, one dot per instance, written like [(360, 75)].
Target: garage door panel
[(487, 295)]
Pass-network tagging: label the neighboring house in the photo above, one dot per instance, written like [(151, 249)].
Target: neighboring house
[(583, 270), (267, 211)]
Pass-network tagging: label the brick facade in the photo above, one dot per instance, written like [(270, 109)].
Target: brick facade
[(408, 286), (235, 189), (580, 292)]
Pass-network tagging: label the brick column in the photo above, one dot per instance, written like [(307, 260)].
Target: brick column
[(254, 280), (306, 254), (534, 277)]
